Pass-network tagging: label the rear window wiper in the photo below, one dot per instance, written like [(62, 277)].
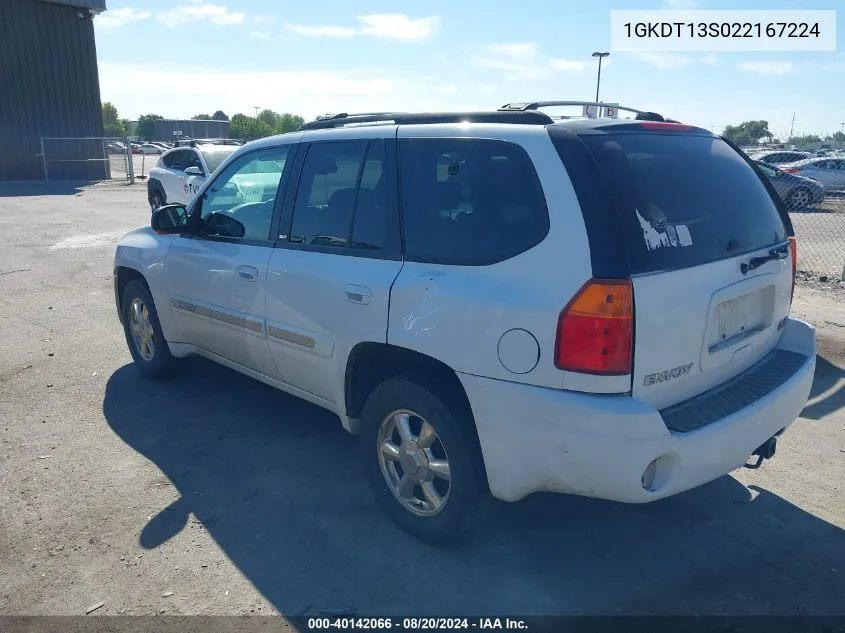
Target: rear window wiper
[(781, 252)]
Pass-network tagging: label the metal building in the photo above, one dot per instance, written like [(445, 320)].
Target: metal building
[(170, 130), (49, 86)]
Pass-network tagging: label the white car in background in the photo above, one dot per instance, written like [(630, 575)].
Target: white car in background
[(150, 148), (181, 172)]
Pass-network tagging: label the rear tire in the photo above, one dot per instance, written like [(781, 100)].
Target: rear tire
[(143, 332), (421, 500), (798, 199)]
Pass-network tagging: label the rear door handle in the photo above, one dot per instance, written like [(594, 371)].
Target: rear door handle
[(247, 273), (358, 294)]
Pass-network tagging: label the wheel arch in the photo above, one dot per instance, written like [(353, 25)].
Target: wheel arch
[(369, 364), (122, 276)]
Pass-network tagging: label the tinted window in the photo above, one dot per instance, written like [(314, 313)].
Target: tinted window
[(771, 172), (684, 199), (193, 160), (370, 224), (469, 201), (246, 190), (177, 159), (341, 181)]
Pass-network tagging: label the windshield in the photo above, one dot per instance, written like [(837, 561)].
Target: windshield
[(213, 158), (684, 199)]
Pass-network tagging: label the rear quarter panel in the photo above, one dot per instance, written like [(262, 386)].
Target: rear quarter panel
[(458, 314)]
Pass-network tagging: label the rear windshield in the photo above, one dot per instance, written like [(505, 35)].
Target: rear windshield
[(684, 199)]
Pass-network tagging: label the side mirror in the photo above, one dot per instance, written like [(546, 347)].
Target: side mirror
[(193, 171), (223, 225), (171, 218)]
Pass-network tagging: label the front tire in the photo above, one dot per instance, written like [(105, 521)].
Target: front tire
[(157, 200), (422, 460), (143, 332)]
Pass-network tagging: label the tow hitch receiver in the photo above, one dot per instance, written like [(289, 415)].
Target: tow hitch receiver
[(764, 451)]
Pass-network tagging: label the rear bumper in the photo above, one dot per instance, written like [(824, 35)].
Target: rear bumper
[(537, 439)]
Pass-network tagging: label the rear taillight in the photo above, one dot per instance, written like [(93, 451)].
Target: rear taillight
[(793, 252), (790, 170), (595, 332)]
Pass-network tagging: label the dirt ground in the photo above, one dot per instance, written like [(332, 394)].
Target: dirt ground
[(214, 494)]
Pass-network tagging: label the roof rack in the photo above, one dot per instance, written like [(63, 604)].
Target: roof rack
[(530, 106), (407, 118)]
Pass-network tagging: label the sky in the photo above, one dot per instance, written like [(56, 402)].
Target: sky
[(178, 58)]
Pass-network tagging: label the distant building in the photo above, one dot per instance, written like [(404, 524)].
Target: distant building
[(170, 130), (49, 87)]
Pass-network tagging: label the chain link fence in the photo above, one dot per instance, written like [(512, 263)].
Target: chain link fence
[(808, 172), (87, 158)]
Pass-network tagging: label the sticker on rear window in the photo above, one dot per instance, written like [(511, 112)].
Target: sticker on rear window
[(658, 233)]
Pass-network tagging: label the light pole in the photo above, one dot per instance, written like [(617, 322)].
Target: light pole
[(257, 108), (598, 79)]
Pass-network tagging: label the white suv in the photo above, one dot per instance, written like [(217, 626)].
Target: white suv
[(498, 303), (181, 172)]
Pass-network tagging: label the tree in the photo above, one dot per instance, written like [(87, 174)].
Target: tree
[(281, 123), (288, 122), (747, 133), (145, 125), (201, 117), (219, 116), (806, 139), (270, 117), (248, 128), (836, 136), (112, 125)]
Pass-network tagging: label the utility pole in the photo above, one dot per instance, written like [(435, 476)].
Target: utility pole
[(841, 127), (791, 127), (257, 108), (598, 79)]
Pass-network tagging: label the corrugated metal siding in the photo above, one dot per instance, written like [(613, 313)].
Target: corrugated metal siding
[(97, 5), (49, 86)]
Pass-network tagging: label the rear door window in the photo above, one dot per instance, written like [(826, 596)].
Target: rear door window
[(684, 199)]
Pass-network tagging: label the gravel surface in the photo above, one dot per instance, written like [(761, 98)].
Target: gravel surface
[(215, 494)]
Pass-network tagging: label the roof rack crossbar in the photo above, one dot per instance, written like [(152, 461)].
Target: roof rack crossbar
[(527, 106), (407, 118)]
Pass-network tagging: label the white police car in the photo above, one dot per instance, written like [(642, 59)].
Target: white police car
[(181, 171)]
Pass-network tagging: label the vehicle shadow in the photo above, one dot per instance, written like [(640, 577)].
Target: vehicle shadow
[(827, 377), (42, 188), (276, 482)]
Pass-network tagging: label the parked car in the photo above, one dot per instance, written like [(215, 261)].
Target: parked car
[(483, 341), (180, 172), (150, 148), (780, 157), (828, 171), (797, 192)]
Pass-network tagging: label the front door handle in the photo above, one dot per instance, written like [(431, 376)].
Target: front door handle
[(247, 273), (358, 294)]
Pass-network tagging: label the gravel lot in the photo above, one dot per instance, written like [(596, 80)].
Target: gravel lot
[(214, 494)]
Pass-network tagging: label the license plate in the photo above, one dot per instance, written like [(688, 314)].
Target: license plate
[(741, 317)]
